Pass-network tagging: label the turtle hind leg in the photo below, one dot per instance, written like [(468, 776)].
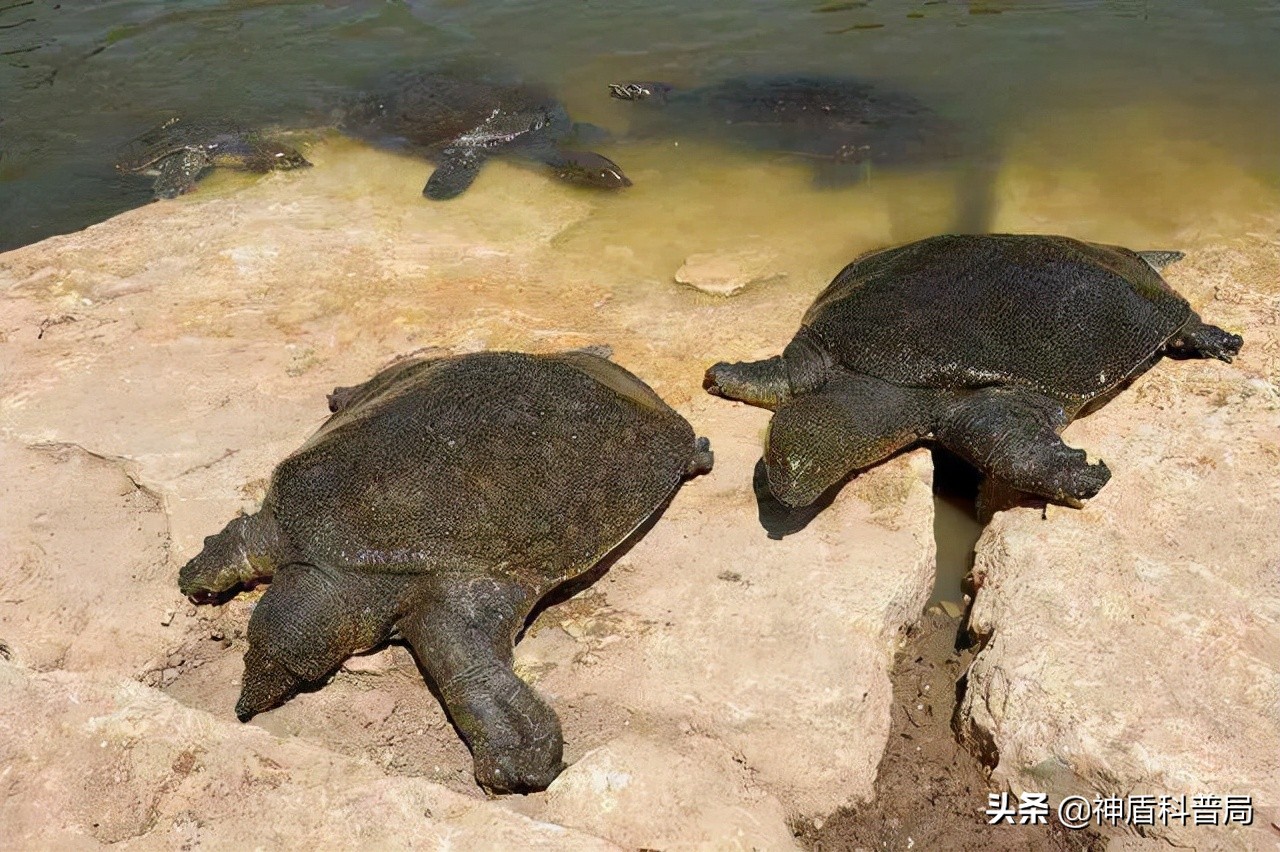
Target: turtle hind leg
[(455, 172), (1012, 434), (462, 633), (178, 174), (245, 553), (818, 439), (307, 623), (1198, 339)]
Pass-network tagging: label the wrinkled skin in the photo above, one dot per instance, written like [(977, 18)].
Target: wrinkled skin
[(178, 152), (988, 345), (459, 123), (439, 503)]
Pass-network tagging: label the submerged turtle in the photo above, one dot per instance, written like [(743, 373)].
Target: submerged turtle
[(837, 120), (461, 122), (178, 152), (989, 345), (439, 503)]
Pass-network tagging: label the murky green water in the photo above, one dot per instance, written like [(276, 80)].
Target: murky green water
[(1148, 123), (78, 79)]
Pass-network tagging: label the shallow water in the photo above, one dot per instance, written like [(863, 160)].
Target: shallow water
[(1149, 124)]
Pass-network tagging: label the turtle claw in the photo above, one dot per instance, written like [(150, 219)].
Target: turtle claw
[(703, 459)]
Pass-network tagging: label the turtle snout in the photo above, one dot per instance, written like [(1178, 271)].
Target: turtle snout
[(610, 178), (213, 571)]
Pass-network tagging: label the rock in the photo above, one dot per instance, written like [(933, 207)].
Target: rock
[(208, 333), (724, 273), (649, 794), (1133, 647), (97, 758), (789, 661), (85, 550)]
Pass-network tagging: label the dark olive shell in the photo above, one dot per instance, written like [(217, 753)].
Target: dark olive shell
[(532, 465), (1068, 318)]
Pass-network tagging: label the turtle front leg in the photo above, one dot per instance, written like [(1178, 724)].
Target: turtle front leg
[(462, 632), (1198, 339), (1012, 434), (307, 623), (178, 173), (456, 170)]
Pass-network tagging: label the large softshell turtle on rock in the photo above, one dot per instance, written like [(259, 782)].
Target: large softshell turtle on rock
[(460, 122), (836, 120), (439, 503), (178, 152), (989, 345)]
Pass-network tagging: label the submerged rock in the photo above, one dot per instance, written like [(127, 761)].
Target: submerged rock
[(728, 273)]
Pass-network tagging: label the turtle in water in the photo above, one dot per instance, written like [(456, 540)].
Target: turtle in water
[(987, 344), (460, 122), (838, 121), (177, 152), (439, 503)]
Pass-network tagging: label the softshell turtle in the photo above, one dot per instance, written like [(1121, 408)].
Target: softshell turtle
[(439, 503), (989, 345), (837, 120), (178, 152), (460, 122)]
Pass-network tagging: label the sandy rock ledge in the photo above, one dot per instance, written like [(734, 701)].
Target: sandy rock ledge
[(712, 684)]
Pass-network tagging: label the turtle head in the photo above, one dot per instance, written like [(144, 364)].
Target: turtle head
[(588, 169), (243, 554), (637, 90), (273, 156)]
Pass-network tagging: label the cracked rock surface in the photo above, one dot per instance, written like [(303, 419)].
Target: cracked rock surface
[(157, 366)]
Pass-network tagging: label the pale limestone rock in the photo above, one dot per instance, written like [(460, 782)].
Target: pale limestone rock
[(645, 793), (188, 346), (77, 530), (725, 273), (1134, 646), (780, 650), (91, 760)]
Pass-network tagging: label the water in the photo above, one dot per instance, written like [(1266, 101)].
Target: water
[(1152, 124), (1097, 79)]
